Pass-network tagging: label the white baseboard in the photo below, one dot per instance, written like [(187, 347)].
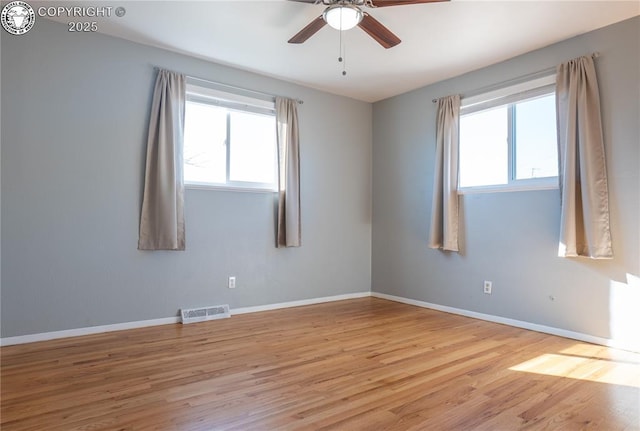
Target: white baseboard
[(618, 344), (46, 336), (299, 303)]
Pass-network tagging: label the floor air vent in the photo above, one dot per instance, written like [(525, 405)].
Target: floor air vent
[(191, 315)]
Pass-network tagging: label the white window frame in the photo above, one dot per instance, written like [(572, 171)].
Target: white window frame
[(510, 96), (212, 95)]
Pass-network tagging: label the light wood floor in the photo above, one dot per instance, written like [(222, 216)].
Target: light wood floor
[(363, 364)]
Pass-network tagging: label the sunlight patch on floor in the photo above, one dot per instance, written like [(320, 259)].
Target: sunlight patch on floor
[(587, 362)]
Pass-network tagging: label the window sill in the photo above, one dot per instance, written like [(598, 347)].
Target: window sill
[(225, 188), (508, 188)]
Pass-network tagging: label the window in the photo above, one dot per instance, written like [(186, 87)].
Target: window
[(229, 140), (508, 139)]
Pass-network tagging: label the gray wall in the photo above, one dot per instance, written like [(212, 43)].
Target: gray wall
[(72, 161), (511, 237), (75, 110)]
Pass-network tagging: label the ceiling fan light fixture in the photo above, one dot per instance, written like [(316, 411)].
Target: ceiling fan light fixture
[(342, 16)]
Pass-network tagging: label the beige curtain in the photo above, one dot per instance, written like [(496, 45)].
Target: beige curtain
[(288, 228), (162, 217), (584, 228), (443, 232)]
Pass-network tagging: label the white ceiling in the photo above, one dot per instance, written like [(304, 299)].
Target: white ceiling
[(439, 40)]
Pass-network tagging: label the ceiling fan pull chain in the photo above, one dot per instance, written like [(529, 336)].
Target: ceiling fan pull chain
[(340, 48), (344, 59), (340, 38), (343, 53)]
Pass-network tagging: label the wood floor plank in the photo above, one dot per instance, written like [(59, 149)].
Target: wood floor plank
[(362, 364)]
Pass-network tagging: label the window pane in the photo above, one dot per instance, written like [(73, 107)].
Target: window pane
[(253, 148), (536, 152), (484, 148), (205, 133)]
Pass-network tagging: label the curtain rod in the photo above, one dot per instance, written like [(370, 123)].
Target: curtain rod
[(233, 87), (514, 80)]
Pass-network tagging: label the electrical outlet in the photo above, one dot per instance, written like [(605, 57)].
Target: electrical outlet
[(487, 287), (232, 283)]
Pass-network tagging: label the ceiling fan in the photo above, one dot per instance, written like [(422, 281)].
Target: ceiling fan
[(346, 14)]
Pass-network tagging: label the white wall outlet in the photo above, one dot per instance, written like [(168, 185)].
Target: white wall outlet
[(487, 287), (232, 283)]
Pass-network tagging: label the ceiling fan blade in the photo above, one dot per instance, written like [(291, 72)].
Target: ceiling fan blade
[(380, 33), (383, 3), (308, 31)]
